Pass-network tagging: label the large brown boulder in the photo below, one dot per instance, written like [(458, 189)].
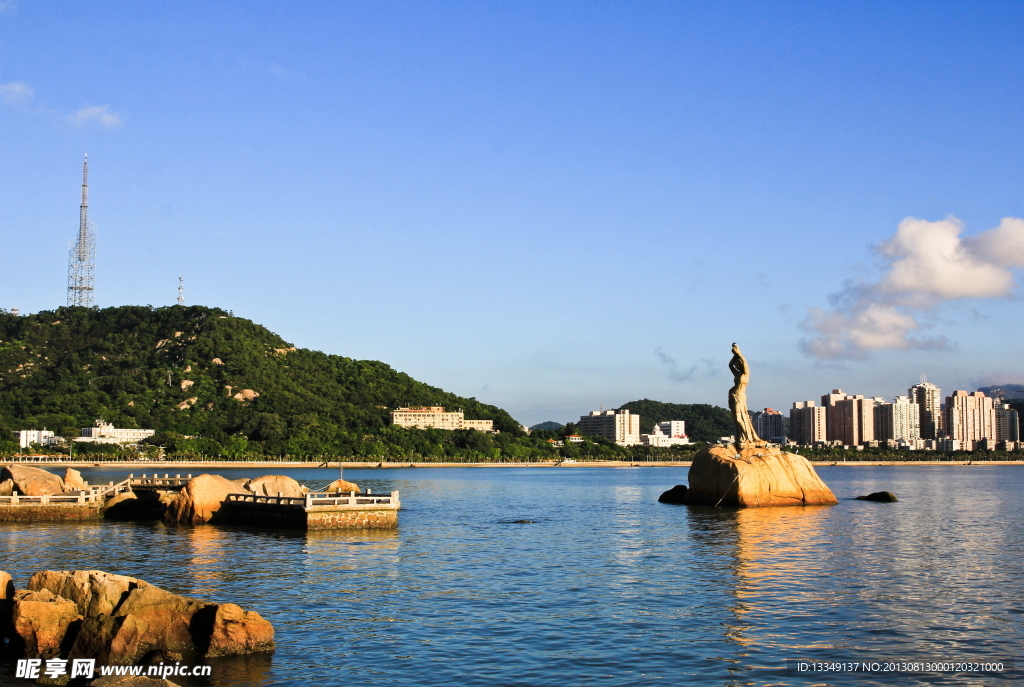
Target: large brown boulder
[(7, 487), (342, 486), (29, 481), (41, 619), (94, 592), (126, 620), (201, 499), (236, 631), (720, 475), (272, 485), (73, 480)]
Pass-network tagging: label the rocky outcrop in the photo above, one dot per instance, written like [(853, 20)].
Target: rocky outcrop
[(120, 620), (676, 495), (41, 619), (768, 476), (201, 500), (7, 487), (342, 486), (136, 506), (236, 631), (73, 480), (272, 485), (880, 496), (29, 481)]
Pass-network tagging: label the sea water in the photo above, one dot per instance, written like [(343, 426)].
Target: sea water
[(578, 576)]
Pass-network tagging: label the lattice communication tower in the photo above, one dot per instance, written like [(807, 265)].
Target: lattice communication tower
[(82, 261), (181, 290)]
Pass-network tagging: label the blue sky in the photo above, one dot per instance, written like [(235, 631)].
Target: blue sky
[(548, 206)]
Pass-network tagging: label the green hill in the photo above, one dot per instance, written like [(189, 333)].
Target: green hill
[(703, 422), (214, 383)]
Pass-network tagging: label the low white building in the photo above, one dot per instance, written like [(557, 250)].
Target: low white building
[(105, 433), (27, 437), (670, 433)]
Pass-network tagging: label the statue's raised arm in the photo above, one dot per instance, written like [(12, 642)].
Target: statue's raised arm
[(746, 437)]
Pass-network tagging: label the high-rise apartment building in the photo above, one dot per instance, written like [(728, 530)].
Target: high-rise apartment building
[(807, 423), (769, 424), (832, 420), (929, 397), (1007, 424), (852, 420), (619, 426), (899, 420), (970, 416)]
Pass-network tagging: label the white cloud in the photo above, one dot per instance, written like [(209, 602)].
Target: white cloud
[(101, 114), (927, 264), (15, 92)]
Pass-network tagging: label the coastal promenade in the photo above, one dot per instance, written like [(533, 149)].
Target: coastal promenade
[(49, 461)]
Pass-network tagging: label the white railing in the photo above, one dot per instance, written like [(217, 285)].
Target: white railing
[(155, 481), (91, 495), (320, 498)]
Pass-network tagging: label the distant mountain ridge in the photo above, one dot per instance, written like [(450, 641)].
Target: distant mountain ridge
[(550, 425)]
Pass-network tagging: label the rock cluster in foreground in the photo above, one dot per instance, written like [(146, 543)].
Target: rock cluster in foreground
[(120, 620), (723, 476), (30, 481)]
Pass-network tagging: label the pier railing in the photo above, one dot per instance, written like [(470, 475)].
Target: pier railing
[(93, 494), (321, 498)]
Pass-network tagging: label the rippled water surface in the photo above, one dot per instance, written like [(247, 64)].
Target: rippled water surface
[(604, 587)]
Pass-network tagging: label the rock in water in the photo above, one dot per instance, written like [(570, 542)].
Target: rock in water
[(236, 631), (6, 604), (73, 480), (752, 477), (29, 481), (880, 496), (342, 486), (676, 495), (271, 485), (200, 500)]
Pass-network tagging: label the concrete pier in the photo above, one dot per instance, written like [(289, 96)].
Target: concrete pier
[(317, 510)]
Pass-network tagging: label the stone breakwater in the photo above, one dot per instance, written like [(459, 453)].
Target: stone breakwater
[(120, 620)]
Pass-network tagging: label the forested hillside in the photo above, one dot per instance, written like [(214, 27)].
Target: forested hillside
[(703, 422), (226, 382)]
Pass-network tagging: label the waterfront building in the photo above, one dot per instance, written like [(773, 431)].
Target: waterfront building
[(898, 421), (851, 420), (833, 425), (929, 397), (970, 416), (574, 439), (619, 426), (669, 433), (1007, 424), (105, 433), (27, 437), (807, 423), (434, 417), (769, 424)]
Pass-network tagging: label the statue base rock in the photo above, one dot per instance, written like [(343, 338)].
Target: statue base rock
[(721, 476)]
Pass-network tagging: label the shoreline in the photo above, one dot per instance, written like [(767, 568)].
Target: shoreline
[(377, 465)]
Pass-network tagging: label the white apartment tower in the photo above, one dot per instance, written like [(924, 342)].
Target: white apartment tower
[(929, 397), (970, 416), (619, 426), (898, 420), (807, 423)]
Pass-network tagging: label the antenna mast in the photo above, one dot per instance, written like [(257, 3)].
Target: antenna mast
[(181, 290), (82, 260)]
